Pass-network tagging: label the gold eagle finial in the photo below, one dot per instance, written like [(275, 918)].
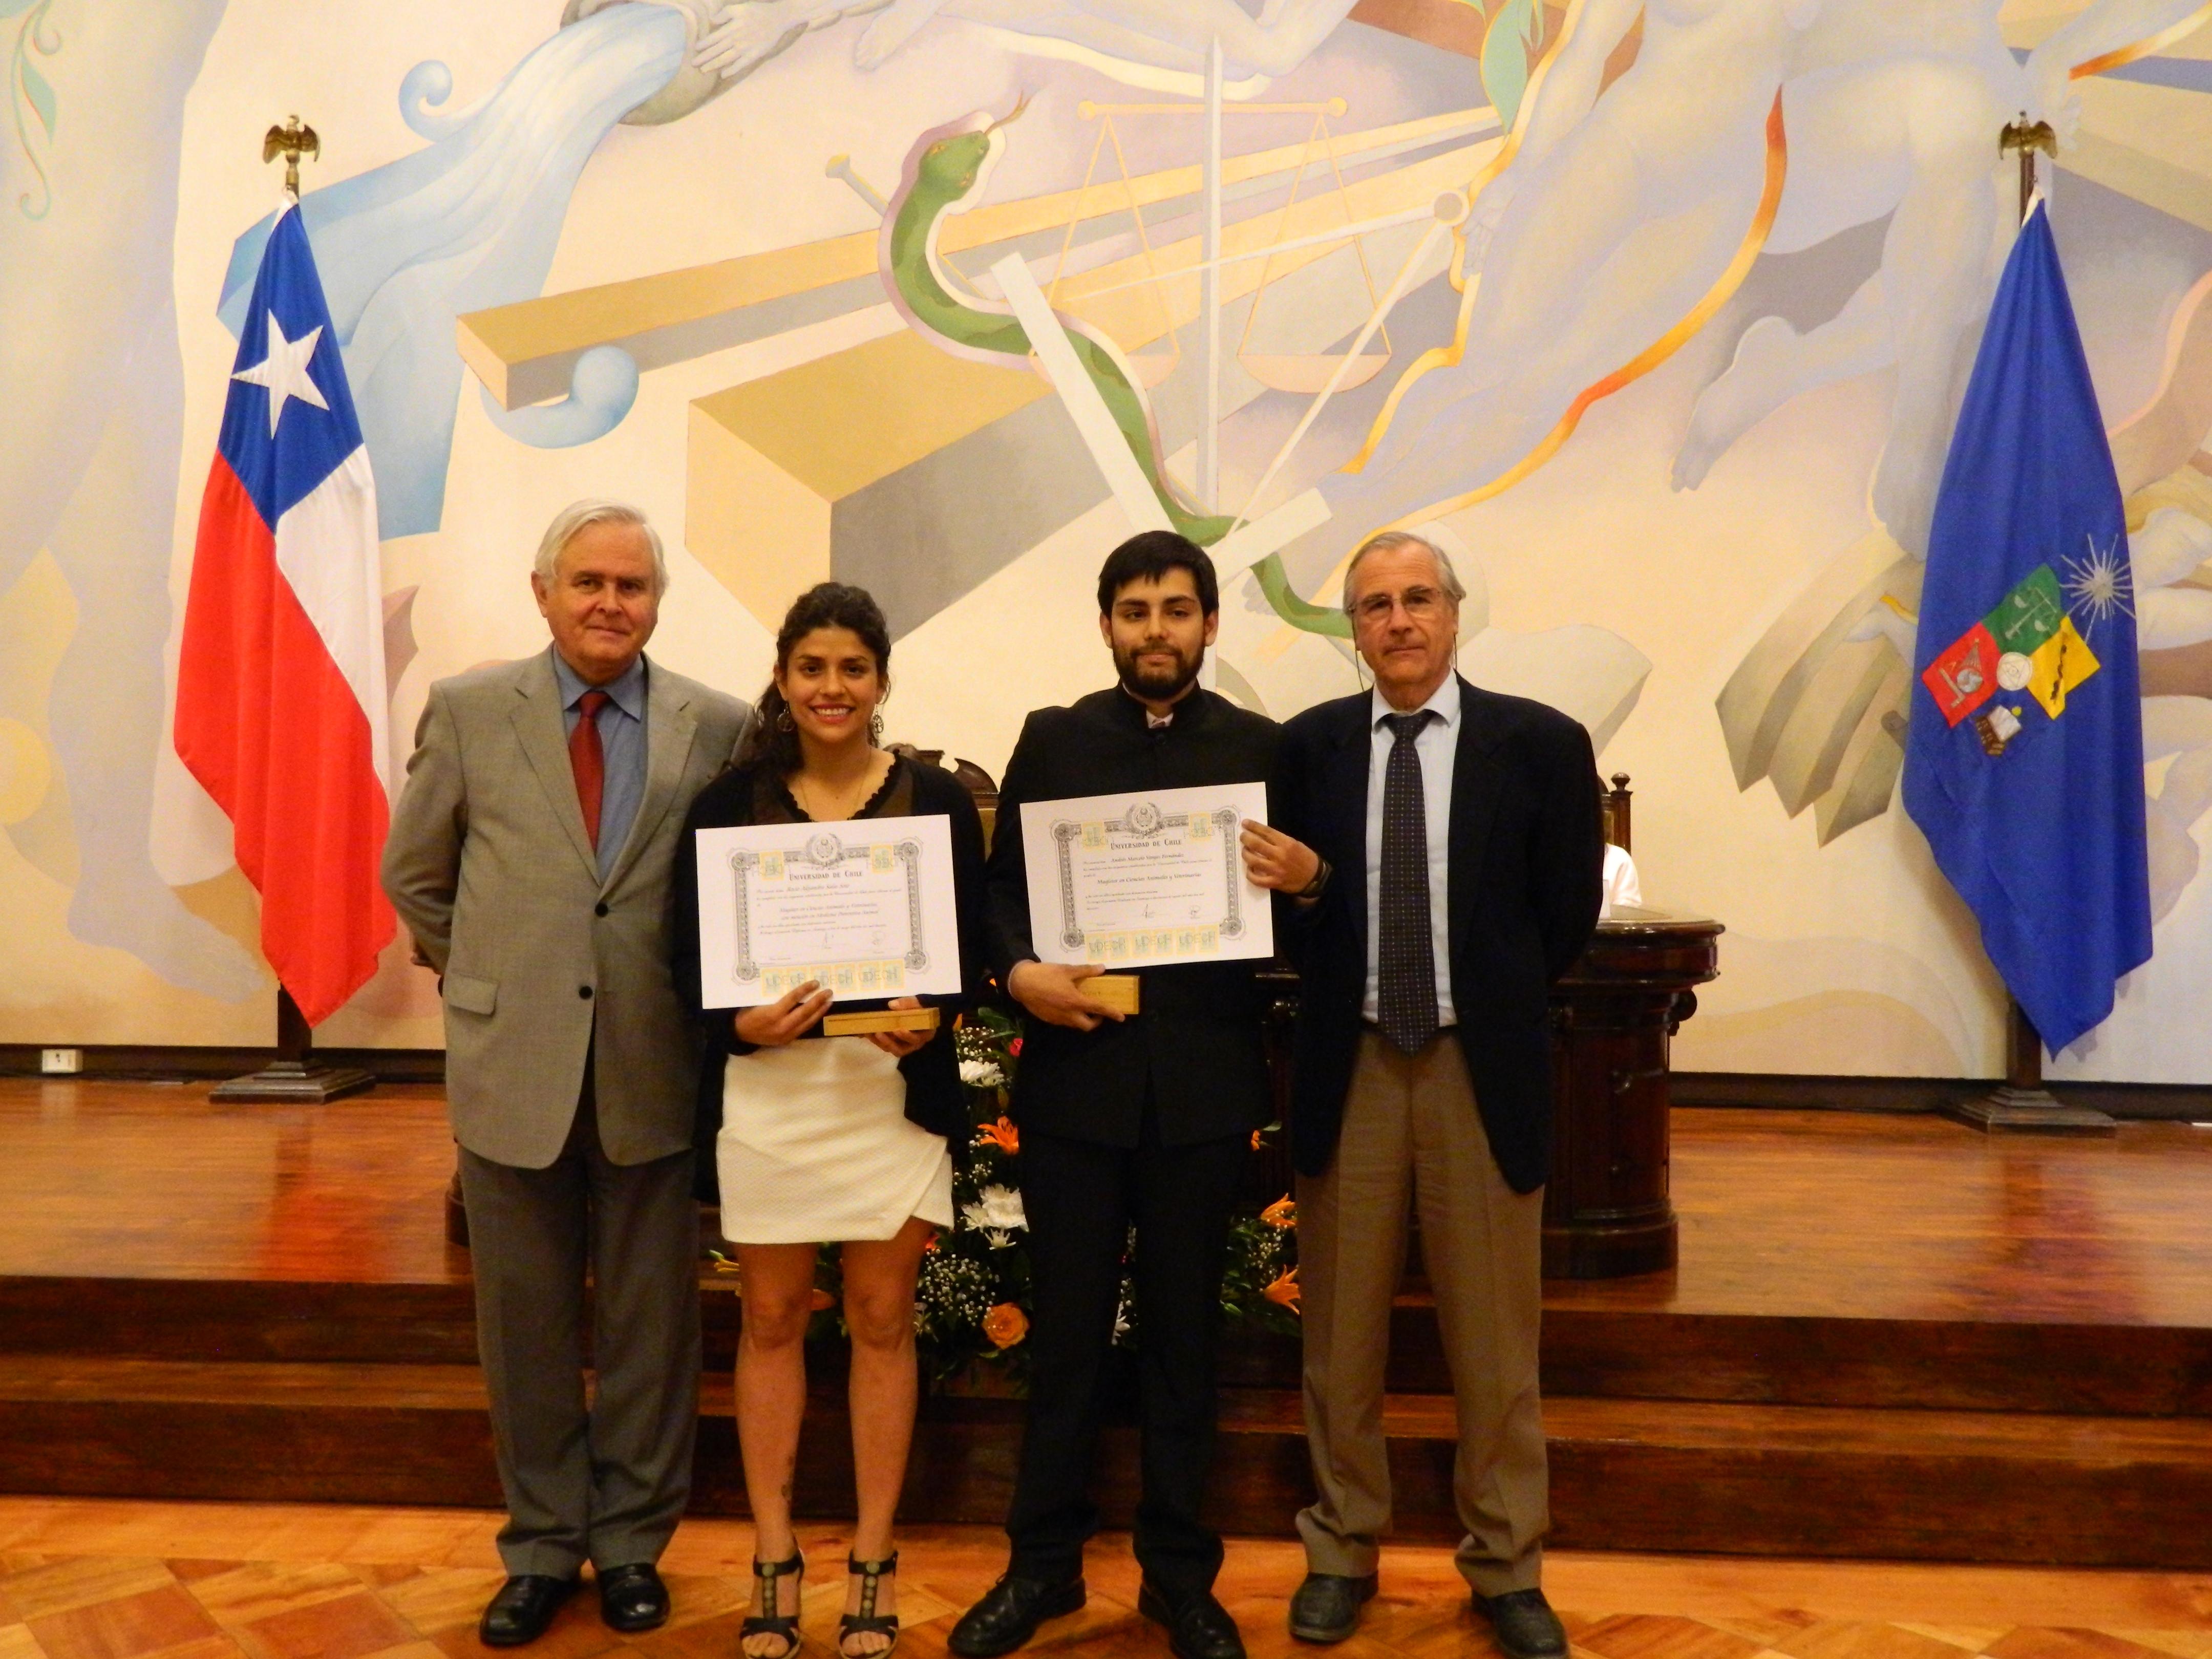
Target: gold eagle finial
[(291, 141)]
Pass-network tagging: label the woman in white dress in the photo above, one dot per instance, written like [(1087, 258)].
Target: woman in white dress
[(844, 1140)]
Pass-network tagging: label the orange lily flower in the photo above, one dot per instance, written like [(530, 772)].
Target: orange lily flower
[(1281, 1214), (1002, 1135), (1284, 1290)]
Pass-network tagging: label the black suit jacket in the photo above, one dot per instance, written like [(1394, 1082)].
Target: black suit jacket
[(1197, 1046), (1527, 856)]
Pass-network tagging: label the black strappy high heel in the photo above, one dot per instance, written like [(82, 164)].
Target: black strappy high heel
[(771, 1620), (868, 1621)]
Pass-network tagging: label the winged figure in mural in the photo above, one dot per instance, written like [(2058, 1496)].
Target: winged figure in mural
[(1817, 707), (1890, 110)]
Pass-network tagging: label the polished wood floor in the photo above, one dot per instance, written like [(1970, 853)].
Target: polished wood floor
[(97, 1580), (1845, 1215)]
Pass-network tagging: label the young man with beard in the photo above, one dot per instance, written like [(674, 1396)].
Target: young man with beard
[(1144, 1121)]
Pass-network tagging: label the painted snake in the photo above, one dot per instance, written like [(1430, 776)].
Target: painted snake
[(944, 174)]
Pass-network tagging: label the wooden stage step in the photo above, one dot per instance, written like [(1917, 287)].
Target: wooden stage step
[(2095, 1368), (1885, 1336), (1639, 1474)]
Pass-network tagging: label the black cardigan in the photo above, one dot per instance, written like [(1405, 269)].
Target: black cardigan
[(933, 1096)]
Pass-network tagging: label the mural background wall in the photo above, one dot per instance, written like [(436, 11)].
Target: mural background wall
[(1680, 301)]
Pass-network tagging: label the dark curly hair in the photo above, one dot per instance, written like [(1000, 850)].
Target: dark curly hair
[(772, 741), (1147, 556)]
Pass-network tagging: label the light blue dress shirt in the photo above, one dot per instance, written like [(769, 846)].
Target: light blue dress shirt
[(622, 741), (1435, 747)]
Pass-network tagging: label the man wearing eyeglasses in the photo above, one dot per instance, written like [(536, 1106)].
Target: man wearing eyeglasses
[(1459, 831)]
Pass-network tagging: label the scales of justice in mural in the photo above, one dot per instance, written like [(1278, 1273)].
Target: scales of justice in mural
[(1299, 279), (1276, 350)]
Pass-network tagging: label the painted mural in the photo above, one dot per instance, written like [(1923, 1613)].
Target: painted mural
[(1655, 312)]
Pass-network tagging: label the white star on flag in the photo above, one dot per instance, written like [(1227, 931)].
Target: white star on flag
[(284, 370)]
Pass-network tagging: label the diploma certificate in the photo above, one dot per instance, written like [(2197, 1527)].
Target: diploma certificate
[(1148, 879), (864, 907)]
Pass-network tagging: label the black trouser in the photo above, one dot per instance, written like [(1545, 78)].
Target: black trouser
[(1081, 1199)]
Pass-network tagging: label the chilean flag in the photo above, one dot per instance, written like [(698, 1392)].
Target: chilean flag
[(280, 682)]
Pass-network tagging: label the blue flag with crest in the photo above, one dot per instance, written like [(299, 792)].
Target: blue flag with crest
[(2023, 759)]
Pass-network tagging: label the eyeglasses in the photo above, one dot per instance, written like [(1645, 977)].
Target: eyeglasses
[(1421, 603)]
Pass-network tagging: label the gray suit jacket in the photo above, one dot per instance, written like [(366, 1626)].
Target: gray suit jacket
[(490, 866)]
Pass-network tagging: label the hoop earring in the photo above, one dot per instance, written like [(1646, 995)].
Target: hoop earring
[(783, 720)]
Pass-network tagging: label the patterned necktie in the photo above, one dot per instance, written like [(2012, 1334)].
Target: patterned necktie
[(1406, 963), (589, 760)]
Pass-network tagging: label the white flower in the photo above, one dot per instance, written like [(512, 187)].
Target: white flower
[(998, 1238), (996, 1209), (980, 1074)]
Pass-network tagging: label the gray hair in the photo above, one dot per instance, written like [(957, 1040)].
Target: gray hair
[(1389, 541), (572, 521)]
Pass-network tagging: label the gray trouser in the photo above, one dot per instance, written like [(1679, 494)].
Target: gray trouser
[(604, 1482), (1411, 1131)]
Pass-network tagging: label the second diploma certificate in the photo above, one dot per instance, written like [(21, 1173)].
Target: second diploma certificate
[(864, 907), (1148, 879)]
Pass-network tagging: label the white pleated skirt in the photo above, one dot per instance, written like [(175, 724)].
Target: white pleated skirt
[(816, 1147)]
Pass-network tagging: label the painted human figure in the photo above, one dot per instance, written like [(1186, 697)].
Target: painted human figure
[(1163, 43), (1609, 225), (92, 434), (1891, 110)]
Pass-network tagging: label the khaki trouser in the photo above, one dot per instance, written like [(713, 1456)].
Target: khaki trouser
[(1411, 1132)]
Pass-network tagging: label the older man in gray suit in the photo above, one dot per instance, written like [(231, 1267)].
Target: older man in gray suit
[(530, 857)]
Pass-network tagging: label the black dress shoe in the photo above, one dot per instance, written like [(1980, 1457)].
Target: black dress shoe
[(1525, 1625), (1009, 1614), (1198, 1626), (1327, 1605), (633, 1598), (526, 1604)]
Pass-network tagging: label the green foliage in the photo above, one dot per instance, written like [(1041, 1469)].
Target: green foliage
[(1508, 50), (983, 1264)]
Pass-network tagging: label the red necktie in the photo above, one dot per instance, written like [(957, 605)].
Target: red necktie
[(588, 760)]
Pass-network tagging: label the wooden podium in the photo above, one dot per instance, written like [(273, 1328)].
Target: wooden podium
[(1607, 1212)]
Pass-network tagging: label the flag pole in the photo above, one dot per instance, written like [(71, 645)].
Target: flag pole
[(292, 1076), (2020, 1102)]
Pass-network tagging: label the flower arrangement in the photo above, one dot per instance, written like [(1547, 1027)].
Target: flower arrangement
[(973, 1301)]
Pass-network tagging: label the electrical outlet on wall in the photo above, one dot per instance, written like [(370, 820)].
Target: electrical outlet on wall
[(61, 1060)]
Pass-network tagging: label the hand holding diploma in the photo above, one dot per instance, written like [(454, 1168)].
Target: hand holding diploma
[(901, 1043), (1053, 992), (790, 1016), (1273, 859)]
